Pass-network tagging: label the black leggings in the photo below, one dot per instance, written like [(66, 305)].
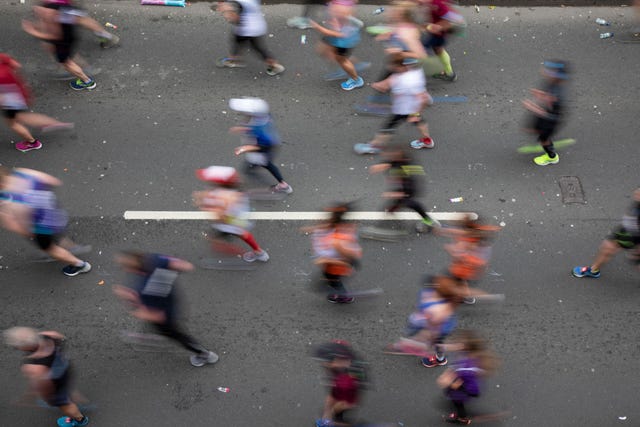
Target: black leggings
[(335, 282), (461, 411), (173, 331), (270, 166), (257, 43), (408, 202)]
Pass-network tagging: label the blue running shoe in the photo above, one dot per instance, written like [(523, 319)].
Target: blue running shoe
[(352, 84), (585, 272), (70, 422), (78, 84), (366, 148)]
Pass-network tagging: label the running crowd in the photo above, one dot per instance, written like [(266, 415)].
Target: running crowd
[(412, 31)]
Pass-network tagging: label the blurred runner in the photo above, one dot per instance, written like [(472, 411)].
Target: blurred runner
[(15, 98), (347, 377), (432, 321), (56, 25), (263, 138), (444, 20), (409, 97), (625, 237), (249, 26), (462, 381), (152, 297), (470, 252), (48, 370), (30, 209), (548, 108), (228, 207), (340, 36), (404, 177), (403, 39), (336, 251)]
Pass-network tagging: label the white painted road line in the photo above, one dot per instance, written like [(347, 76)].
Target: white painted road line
[(294, 216)]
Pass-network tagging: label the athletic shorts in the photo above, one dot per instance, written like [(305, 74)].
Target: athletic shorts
[(63, 51), (44, 241), (11, 114), (60, 395), (624, 239), (340, 51), (432, 41), (395, 121)]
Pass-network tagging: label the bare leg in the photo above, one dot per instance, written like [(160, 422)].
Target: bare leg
[(607, 250), (19, 129), (38, 120), (347, 66), (424, 129), (61, 254), (72, 67), (71, 410)]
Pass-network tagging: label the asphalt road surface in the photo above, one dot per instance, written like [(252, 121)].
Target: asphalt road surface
[(569, 347)]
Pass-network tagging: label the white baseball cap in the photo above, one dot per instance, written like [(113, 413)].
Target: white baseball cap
[(219, 174), (250, 106)]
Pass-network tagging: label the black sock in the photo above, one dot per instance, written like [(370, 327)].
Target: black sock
[(549, 150)]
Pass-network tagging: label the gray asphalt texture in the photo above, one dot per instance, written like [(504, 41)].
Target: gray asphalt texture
[(569, 347)]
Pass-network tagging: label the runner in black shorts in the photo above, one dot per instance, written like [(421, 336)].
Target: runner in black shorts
[(48, 370), (57, 23), (626, 236)]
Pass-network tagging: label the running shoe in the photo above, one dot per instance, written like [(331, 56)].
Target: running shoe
[(422, 143), (106, 43), (340, 299), (299, 22), (72, 270), (252, 256), (230, 63), (287, 189), (469, 300), (25, 146), (585, 272), (545, 160), (433, 361), (78, 84), (198, 360), (71, 422), (455, 419), (274, 70), (446, 77), (323, 422), (427, 224), (352, 84), (366, 148)]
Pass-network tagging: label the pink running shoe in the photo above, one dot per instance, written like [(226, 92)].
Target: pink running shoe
[(25, 146)]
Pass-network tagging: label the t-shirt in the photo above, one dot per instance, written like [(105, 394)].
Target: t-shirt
[(14, 94), (46, 216), (555, 109), (405, 88), (264, 131), (156, 286), (251, 21), (344, 387), (439, 8), (349, 34)]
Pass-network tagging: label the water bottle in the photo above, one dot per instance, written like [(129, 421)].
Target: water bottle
[(601, 21), (606, 35), (378, 11)]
